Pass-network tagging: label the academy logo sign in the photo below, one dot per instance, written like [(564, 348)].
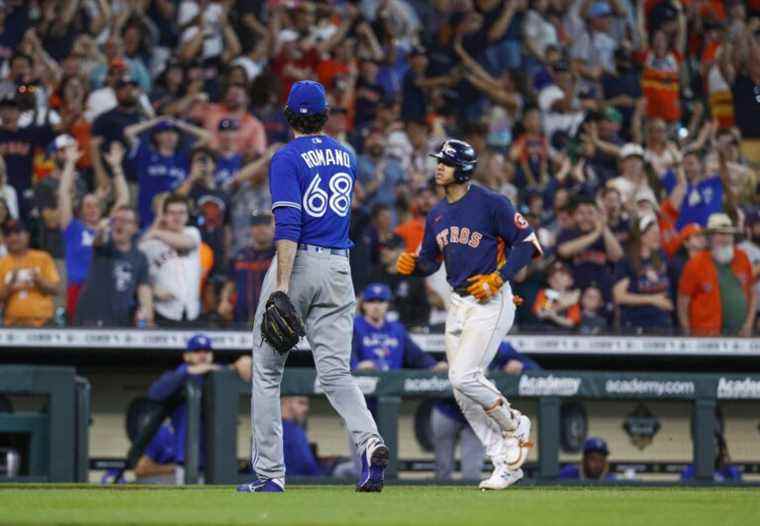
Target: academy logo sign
[(548, 386), (746, 388), (635, 386), (426, 385)]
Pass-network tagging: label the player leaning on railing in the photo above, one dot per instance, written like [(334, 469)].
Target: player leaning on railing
[(471, 230)]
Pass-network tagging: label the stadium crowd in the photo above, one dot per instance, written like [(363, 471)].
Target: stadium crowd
[(135, 137)]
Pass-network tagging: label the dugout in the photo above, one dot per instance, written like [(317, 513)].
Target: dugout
[(121, 364), (549, 389), (45, 422)]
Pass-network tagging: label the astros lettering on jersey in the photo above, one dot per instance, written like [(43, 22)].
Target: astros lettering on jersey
[(472, 235)]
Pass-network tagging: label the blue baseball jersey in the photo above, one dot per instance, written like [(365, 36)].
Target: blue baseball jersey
[(78, 239), (701, 199), (389, 346), (472, 235), (156, 173), (315, 175), (227, 166)]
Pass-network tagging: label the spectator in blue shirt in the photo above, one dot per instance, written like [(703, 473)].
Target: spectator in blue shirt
[(160, 163), (704, 195), (78, 232), (228, 160), (378, 173), (449, 425), (594, 464)]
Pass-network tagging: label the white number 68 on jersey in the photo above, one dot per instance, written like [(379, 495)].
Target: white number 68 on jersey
[(316, 200)]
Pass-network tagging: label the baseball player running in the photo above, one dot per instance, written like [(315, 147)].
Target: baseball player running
[(311, 180), (472, 230)]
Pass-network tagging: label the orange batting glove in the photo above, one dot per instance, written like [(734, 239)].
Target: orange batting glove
[(405, 263), (484, 286)]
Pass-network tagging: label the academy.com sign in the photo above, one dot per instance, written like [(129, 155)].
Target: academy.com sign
[(548, 386), (426, 385), (746, 388), (635, 386)]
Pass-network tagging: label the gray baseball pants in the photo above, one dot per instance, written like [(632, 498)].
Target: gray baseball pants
[(322, 292)]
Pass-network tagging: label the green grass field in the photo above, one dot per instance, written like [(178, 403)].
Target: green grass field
[(415, 505)]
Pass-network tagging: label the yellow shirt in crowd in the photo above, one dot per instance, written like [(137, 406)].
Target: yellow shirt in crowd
[(28, 306)]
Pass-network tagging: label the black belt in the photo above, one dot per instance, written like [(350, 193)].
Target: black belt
[(462, 291), (314, 248)]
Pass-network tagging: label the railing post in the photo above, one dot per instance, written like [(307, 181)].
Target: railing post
[(220, 403), (192, 438), (548, 437), (388, 408), (704, 437), (82, 459)]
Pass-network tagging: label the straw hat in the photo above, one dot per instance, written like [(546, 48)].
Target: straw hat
[(720, 224)]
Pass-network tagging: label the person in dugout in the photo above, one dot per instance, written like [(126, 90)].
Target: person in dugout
[(382, 345), (301, 458), (197, 361), (594, 464)]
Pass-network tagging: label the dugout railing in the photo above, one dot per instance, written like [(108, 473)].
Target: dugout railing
[(223, 390)]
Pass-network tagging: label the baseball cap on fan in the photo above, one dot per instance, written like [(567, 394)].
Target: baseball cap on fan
[(599, 10), (62, 141), (377, 292), (307, 98), (199, 342)]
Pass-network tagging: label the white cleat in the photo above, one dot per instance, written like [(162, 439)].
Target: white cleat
[(518, 444), (501, 478)]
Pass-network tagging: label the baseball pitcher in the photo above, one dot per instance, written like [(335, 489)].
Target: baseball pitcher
[(309, 291)]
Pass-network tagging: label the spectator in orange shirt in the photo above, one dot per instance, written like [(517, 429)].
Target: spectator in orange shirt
[(660, 79), (559, 305), (251, 137), (412, 230), (28, 279), (715, 293)]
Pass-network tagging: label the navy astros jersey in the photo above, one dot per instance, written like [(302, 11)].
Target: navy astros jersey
[(472, 235), (315, 174)]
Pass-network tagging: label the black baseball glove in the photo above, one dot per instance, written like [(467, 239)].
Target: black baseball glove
[(281, 325)]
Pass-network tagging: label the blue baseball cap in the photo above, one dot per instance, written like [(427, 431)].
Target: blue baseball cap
[(199, 342), (377, 292), (307, 98), (164, 126), (599, 9), (595, 445)]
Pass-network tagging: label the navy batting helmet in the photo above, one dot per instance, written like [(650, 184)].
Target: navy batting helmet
[(460, 155)]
